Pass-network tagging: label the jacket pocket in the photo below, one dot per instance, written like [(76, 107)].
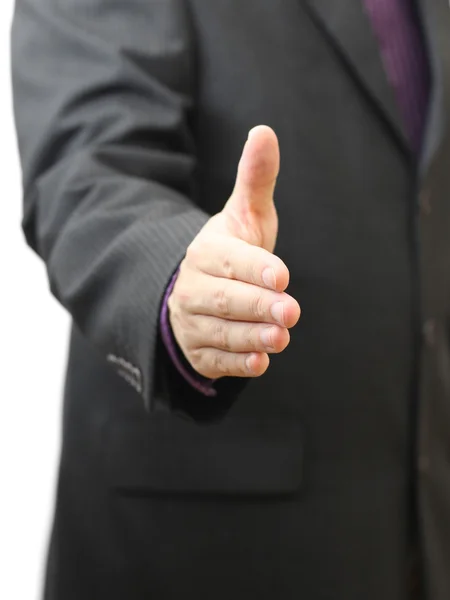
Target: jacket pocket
[(237, 456)]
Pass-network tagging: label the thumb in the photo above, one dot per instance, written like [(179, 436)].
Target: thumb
[(257, 173)]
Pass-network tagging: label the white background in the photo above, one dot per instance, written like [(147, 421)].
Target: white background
[(33, 348)]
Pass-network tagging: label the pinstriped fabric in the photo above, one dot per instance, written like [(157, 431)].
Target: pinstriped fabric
[(108, 162), (166, 250), (397, 30)]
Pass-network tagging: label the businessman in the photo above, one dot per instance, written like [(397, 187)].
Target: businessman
[(194, 172)]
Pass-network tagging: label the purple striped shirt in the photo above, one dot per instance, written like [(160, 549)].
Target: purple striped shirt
[(397, 30)]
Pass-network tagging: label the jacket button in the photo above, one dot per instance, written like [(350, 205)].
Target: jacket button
[(425, 202), (429, 332)]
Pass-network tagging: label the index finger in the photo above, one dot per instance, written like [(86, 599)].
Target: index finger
[(232, 258)]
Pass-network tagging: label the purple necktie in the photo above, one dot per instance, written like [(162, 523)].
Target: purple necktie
[(397, 30)]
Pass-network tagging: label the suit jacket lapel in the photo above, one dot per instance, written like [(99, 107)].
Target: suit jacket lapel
[(349, 29), (436, 20)]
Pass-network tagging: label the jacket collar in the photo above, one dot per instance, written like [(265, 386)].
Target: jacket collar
[(349, 30)]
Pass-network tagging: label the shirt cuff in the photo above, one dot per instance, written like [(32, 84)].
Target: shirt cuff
[(199, 383)]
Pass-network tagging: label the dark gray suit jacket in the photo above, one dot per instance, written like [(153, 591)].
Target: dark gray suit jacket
[(315, 481)]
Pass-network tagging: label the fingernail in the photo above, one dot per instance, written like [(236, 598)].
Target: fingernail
[(266, 337), (269, 278), (248, 363), (277, 312)]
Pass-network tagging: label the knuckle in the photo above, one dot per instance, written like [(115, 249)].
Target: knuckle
[(240, 368), (222, 302), (181, 295), (176, 312), (195, 358), (194, 252), (220, 336), (228, 268), (187, 333), (257, 306), (252, 274), (180, 300), (220, 364), (251, 337)]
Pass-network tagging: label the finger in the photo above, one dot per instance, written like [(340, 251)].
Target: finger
[(257, 172), (213, 363), (238, 301), (232, 258), (237, 336)]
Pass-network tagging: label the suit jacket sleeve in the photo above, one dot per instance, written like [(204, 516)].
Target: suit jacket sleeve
[(103, 99)]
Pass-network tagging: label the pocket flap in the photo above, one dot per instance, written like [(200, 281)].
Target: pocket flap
[(236, 456)]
